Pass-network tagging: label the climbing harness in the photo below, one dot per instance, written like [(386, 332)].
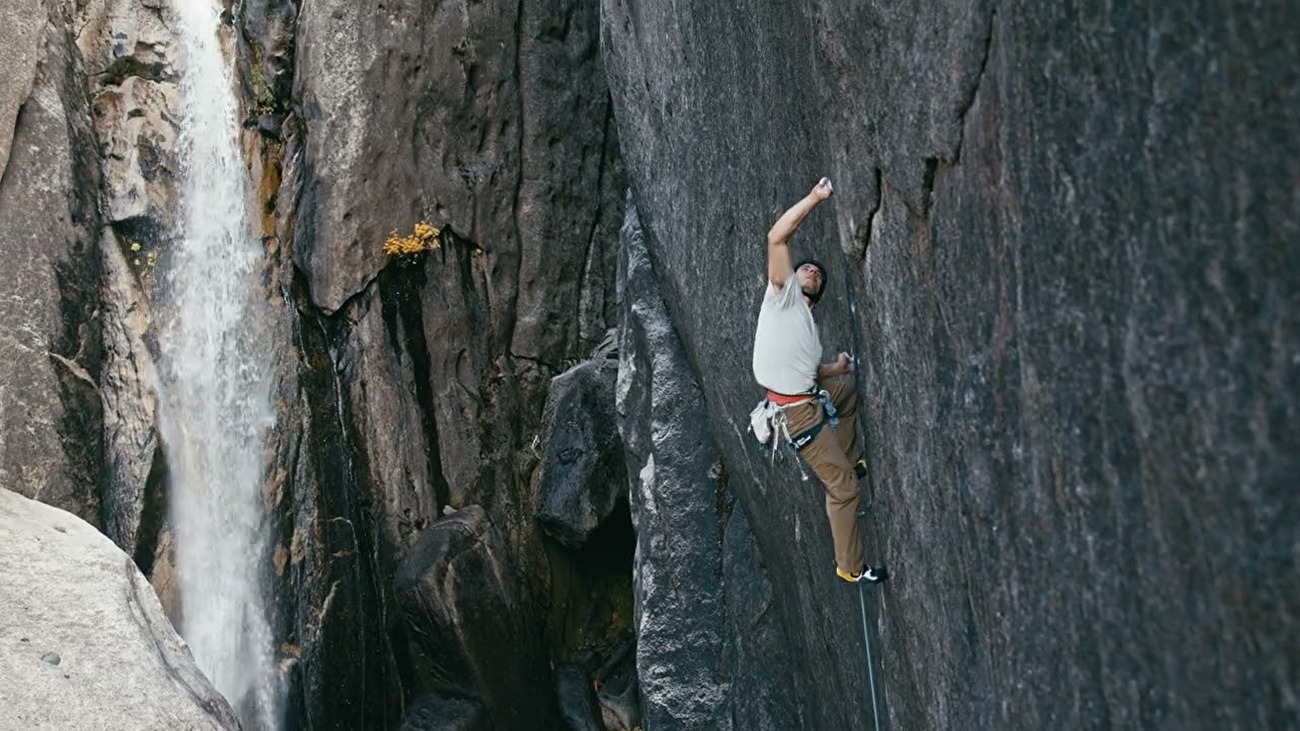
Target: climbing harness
[(770, 426)]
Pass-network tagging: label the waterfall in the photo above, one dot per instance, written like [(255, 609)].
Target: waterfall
[(216, 403)]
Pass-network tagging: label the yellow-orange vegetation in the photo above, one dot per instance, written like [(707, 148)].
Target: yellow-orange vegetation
[(424, 237)]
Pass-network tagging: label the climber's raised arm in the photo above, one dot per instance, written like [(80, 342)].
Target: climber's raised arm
[(779, 263)]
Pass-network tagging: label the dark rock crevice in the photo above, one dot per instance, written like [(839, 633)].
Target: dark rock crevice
[(969, 101), (864, 236), (521, 122), (7, 169), (400, 288), (337, 646), (153, 512), (458, 591), (123, 67)]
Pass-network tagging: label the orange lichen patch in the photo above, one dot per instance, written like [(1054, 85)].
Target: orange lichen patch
[(270, 189), (424, 237)]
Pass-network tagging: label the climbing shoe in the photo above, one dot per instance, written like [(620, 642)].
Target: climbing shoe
[(869, 575), (860, 468)]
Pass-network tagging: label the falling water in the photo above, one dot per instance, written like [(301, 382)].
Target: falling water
[(215, 392)]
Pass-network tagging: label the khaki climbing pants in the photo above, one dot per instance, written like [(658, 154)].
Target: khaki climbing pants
[(831, 456)]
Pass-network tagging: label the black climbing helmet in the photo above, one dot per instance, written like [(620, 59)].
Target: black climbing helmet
[(820, 268)]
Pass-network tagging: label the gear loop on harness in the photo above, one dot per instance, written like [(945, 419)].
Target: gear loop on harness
[(773, 416)]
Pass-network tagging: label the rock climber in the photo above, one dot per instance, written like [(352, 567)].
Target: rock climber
[(803, 393)]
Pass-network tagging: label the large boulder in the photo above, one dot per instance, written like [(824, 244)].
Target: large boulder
[(84, 642), (582, 472)]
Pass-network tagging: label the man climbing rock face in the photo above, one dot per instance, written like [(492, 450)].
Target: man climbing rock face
[(805, 394)]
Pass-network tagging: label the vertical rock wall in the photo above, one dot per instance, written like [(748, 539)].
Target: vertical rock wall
[(50, 414), (88, 194), (417, 385), (1064, 253)]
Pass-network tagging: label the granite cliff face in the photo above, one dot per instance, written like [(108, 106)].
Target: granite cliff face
[(415, 387), (50, 410), (1064, 246)]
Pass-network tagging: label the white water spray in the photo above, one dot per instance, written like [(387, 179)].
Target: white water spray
[(216, 394)]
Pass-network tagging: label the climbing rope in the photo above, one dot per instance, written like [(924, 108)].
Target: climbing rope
[(862, 432), (866, 638)]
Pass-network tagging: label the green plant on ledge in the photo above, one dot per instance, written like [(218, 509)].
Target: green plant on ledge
[(144, 262)]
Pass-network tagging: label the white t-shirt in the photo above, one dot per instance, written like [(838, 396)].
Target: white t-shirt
[(787, 347)]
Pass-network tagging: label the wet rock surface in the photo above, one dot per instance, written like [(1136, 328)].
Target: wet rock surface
[(1064, 260), (438, 712), (459, 593), (576, 699), (418, 384)]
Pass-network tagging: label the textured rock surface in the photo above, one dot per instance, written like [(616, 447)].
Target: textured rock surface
[(1062, 246), (462, 114), (681, 499), (407, 388), (24, 24), (576, 700), (437, 712), (84, 643), (418, 385), (49, 407), (133, 64), (79, 404), (583, 473), (333, 617), (1064, 250), (128, 389), (460, 592)]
